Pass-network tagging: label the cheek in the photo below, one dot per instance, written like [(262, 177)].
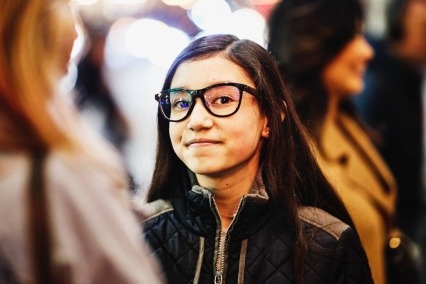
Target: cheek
[(244, 148), (175, 133), (343, 78), (351, 84), (246, 140), (329, 75)]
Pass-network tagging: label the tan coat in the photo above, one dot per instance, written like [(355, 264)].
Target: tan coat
[(364, 183)]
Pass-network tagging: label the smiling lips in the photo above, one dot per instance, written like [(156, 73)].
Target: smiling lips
[(200, 142)]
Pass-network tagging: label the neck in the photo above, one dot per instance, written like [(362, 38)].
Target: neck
[(227, 207), (228, 191), (332, 107), (227, 204)]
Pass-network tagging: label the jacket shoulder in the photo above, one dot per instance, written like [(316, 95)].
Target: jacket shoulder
[(150, 210), (322, 220)]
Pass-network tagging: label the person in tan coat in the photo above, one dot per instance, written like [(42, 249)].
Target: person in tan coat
[(363, 181), (324, 69)]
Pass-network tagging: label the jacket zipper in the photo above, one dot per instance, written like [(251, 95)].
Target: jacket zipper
[(220, 260), (218, 278)]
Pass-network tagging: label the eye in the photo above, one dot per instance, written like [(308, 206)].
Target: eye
[(222, 100), (223, 95), (180, 100), (181, 104)]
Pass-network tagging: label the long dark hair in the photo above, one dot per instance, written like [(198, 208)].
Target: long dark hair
[(304, 36), (394, 16), (289, 170)]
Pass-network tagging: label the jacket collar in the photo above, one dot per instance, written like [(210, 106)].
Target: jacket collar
[(196, 209), (338, 153)]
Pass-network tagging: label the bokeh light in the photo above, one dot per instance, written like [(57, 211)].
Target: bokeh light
[(248, 23), (211, 15), (86, 2), (154, 40)]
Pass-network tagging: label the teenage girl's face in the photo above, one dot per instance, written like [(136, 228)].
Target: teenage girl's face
[(218, 147), (343, 76)]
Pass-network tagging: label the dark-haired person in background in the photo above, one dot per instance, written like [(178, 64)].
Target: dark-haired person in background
[(391, 104), (322, 55), (93, 95)]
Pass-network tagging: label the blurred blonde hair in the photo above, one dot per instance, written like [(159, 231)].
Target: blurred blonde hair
[(36, 39), (31, 66)]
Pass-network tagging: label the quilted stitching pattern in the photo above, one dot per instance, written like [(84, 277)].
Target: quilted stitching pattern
[(269, 255), (335, 254), (173, 238)]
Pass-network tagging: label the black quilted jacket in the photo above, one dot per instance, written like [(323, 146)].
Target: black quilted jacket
[(184, 233)]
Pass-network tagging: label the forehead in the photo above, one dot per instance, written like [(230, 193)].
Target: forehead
[(208, 71)]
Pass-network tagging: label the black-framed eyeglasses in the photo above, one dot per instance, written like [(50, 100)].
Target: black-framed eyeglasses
[(220, 100)]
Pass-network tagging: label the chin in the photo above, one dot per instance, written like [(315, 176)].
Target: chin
[(355, 88), (202, 170)]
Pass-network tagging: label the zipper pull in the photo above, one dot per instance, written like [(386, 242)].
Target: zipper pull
[(218, 278)]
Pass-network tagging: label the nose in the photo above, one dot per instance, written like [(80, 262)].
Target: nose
[(199, 118), (365, 49)]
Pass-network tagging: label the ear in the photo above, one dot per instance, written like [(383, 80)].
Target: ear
[(265, 130)]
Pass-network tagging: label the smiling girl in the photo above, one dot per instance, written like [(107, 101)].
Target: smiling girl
[(237, 196)]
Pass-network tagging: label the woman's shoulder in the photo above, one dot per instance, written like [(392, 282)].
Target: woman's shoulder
[(74, 169), (324, 221), (13, 166), (65, 173), (77, 180)]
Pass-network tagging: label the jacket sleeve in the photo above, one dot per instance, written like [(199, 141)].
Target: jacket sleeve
[(350, 263)]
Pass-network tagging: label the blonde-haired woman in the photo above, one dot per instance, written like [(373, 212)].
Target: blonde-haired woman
[(64, 207)]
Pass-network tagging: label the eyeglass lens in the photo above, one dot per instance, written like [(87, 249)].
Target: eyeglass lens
[(219, 100)]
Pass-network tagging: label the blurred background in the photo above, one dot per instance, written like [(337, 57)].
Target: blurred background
[(125, 47)]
